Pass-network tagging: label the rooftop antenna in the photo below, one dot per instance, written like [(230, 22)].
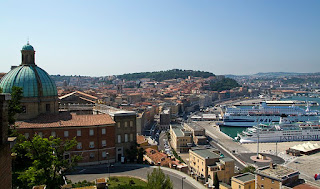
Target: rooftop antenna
[(28, 40)]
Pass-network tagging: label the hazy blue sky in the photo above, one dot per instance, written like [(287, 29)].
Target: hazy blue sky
[(114, 37)]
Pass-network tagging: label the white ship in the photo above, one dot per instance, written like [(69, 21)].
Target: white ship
[(282, 132), (248, 117)]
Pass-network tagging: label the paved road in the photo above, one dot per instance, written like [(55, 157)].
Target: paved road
[(275, 159), (92, 172), (161, 142)]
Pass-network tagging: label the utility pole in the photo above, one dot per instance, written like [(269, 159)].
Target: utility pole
[(258, 143), (108, 164), (182, 181)]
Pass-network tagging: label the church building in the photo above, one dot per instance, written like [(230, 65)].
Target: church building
[(39, 90)]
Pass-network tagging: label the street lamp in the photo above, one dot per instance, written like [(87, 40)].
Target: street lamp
[(108, 164), (182, 181)]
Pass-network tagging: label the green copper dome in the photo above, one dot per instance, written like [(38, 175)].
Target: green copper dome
[(27, 47), (34, 81)]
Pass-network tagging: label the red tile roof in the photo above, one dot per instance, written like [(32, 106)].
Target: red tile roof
[(157, 156), (66, 120), (141, 139), (304, 186)]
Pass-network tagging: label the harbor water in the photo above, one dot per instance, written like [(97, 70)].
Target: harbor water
[(232, 131)]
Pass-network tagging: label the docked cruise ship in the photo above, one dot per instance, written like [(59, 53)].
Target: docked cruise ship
[(282, 132), (248, 117)]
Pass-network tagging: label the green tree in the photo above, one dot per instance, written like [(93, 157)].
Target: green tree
[(216, 181), (41, 161), (158, 180), (164, 75), (132, 152), (14, 105), (250, 169), (223, 84), (0, 90)]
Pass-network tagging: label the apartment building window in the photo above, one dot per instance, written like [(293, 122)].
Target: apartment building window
[(125, 137), (26, 135), (53, 133), (91, 145), (91, 132), (78, 132), (103, 131), (40, 134), (79, 145), (118, 124), (119, 138), (91, 155), (240, 186), (262, 186), (104, 154), (104, 143), (48, 107), (66, 133), (125, 124), (131, 123), (24, 109), (262, 178), (131, 137)]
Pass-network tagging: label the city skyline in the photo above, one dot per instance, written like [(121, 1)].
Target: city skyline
[(112, 38)]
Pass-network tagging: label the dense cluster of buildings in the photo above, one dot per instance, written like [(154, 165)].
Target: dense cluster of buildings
[(102, 136), (109, 115)]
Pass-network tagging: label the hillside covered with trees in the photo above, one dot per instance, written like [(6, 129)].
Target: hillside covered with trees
[(223, 84), (164, 75)]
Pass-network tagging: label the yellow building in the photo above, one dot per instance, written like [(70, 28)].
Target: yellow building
[(223, 185), (204, 164), (275, 177), (224, 169), (243, 181), (181, 140)]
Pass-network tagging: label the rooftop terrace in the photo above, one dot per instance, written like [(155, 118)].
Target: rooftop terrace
[(206, 154), (246, 177)]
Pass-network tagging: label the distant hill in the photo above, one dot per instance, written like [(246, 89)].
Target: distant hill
[(272, 74), (277, 74), (164, 75)]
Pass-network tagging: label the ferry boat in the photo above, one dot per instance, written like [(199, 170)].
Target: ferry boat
[(249, 117), (282, 132)]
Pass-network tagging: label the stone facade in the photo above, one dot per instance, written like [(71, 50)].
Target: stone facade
[(205, 163), (35, 106), (181, 140), (5, 152), (125, 132)]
